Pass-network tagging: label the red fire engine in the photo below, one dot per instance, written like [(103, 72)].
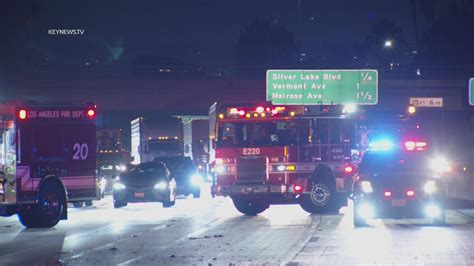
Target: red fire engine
[(268, 154), (47, 159)]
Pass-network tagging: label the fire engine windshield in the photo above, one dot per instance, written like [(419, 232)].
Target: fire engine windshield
[(169, 146), (256, 133)]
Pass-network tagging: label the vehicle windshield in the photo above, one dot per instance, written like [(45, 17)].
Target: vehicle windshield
[(271, 133), (145, 168), (177, 163), (158, 146), (382, 162)]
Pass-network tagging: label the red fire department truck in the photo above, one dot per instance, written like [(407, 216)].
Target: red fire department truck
[(47, 159), (268, 154)]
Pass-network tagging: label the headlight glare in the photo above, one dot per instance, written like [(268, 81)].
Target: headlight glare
[(440, 165), (366, 187), (162, 185), (430, 187), (119, 186), (196, 180)]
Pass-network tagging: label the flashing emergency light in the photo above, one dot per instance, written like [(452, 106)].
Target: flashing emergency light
[(411, 109), (91, 113), (387, 194), (348, 169), (297, 188), (381, 145), (233, 111), (260, 109), (415, 145), (410, 193), (22, 114), (221, 116)]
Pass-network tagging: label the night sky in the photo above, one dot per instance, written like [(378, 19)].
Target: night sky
[(195, 36), (203, 32)]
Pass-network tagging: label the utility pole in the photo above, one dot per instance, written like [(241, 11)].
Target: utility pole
[(415, 22)]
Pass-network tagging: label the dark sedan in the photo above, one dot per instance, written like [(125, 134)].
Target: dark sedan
[(399, 184), (146, 182), (183, 169)]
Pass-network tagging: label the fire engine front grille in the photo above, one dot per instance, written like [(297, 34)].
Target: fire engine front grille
[(251, 169)]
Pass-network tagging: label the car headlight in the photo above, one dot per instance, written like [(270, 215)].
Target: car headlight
[(196, 180), (366, 186), (430, 187), (119, 186), (162, 185)]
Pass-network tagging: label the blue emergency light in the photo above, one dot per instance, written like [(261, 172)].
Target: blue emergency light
[(381, 145)]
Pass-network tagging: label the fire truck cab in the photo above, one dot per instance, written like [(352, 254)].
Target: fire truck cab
[(268, 154), (47, 159)]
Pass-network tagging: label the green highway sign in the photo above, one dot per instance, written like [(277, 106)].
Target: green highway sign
[(314, 87), (471, 93)]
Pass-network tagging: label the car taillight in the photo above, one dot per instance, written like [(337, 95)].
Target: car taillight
[(22, 114), (387, 194), (410, 193)]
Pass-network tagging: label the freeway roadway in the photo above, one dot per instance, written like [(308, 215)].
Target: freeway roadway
[(210, 231)]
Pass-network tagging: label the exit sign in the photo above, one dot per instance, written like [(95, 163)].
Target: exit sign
[(315, 87)]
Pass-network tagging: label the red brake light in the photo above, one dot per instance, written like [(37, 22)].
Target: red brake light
[(91, 113), (410, 145), (387, 194), (415, 145), (348, 169), (297, 188), (420, 145), (410, 193), (22, 114), (241, 112)]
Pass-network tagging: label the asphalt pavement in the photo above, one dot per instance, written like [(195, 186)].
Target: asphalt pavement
[(210, 231)]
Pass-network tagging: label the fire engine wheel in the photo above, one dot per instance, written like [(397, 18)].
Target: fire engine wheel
[(250, 207), (48, 211), (88, 203), (321, 198)]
